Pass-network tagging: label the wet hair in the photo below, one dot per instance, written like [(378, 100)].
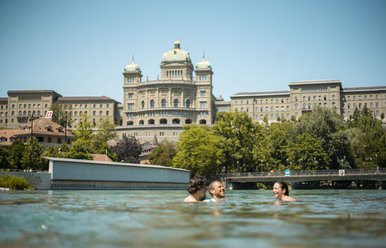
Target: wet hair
[(210, 187), (284, 185), (196, 183)]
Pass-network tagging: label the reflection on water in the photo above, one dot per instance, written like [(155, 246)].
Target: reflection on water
[(344, 218)]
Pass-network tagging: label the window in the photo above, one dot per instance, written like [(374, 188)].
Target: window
[(142, 104), (130, 95), (175, 103), (163, 103), (176, 121), (130, 106), (203, 105), (151, 103), (187, 103), (163, 121)]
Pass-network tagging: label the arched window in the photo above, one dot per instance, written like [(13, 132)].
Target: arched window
[(151, 103), (150, 122), (163, 121), (130, 123), (187, 103), (202, 121), (176, 121), (143, 104), (175, 103), (141, 122), (188, 121)]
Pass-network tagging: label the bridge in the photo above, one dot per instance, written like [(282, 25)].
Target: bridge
[(378, 175)]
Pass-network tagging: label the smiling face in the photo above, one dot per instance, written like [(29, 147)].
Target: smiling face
[(278, 191), (217, 189)]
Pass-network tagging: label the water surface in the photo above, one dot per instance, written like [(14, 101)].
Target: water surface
[(321, 218)]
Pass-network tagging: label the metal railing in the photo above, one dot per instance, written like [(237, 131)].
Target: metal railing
[(341, 172)]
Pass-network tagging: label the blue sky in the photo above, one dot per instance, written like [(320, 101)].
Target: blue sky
[(80, 47)]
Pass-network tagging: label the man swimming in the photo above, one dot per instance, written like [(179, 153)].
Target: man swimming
[(197, 189), (217, 191)]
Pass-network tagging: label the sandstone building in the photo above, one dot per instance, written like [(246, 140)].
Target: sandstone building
[(183, 94)]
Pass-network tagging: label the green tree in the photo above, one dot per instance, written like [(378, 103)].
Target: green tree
[(307, 153), (32, 156), (128, 149), (239, 135), (198, 150), (106, 131), (15, 154), (4, 163), (163, 154), (82, 146), (60, 116), (371, 152), (322, 123), (276, 141)]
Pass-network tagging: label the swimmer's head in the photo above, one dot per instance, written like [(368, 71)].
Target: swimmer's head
[(196, 184)]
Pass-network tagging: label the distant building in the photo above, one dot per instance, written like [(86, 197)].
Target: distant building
[(182, 95), (305, 96), (46, 132), (95, 108), (21, 106)]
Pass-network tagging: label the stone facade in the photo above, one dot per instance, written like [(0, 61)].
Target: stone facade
[(22, 106), (183, 94), (95, 108), (304, 96), (162, 107)]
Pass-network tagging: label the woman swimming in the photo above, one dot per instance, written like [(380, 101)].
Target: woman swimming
[(281, 192)]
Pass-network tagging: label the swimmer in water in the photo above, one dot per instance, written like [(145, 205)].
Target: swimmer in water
[(281, 192), (197, 189), (217, 191)]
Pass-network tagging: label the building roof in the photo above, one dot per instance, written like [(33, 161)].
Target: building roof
[(41, 126), (203, 65), (176, 55), (261, 93), (101, 157), (86, 99), (313, 82), (132, 68), (360, 89), (20, 92)]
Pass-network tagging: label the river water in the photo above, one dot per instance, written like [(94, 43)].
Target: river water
[(248, 218)]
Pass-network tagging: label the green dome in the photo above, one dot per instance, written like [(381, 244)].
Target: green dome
[(132, 68), (203, 64), (176, 55)]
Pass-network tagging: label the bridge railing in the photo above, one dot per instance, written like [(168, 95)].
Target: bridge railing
[(340, 172)]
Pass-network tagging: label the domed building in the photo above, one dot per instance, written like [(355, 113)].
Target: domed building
[(182, 95)]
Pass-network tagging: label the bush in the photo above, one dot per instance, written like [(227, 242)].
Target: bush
[(14, 182), (261, 186)]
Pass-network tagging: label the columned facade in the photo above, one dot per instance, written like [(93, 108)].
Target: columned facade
[(162, 107)]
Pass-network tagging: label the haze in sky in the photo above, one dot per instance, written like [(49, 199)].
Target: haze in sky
[(80, 47)]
